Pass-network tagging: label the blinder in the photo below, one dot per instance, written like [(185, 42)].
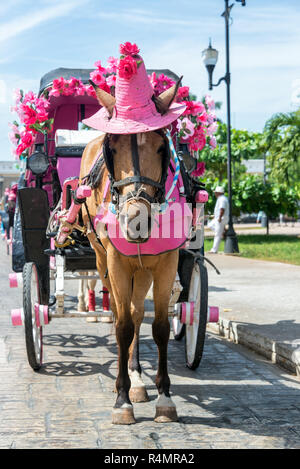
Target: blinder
[(137, 179)]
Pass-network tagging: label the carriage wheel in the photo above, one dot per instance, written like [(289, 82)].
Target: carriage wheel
[(33, 333), (195, 333), (178, 328)]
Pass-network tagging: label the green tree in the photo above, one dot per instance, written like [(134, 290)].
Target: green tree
[(282, 137), (245, 145), (252, 194)]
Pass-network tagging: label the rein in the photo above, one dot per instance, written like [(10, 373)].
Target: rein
[(160, 199), (137, 179)]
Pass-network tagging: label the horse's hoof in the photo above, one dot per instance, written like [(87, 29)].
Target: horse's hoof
[(138, 394), (123, 415), (165, 415), (165, 410)]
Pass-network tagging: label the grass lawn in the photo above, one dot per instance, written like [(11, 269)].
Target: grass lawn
[(280, 248)]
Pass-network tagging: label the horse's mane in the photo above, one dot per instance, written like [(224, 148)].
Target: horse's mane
[(96, 174)]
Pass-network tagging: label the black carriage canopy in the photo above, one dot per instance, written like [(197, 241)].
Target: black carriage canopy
[(83, 74)]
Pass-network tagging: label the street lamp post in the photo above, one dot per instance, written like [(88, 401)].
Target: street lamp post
[(210, 57)]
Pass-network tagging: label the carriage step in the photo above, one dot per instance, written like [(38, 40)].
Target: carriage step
[(185, 311), (81, 314)]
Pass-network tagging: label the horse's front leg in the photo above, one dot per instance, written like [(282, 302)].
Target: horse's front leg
[(121, 284), (162, 287), (141, 284)]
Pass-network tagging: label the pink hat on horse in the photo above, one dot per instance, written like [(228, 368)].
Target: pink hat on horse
[(134, 109)]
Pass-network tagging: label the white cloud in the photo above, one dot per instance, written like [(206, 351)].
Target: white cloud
[(34, 18), (147, 17)]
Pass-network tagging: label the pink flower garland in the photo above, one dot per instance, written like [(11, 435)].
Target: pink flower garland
[(196, 126), (33, 115)]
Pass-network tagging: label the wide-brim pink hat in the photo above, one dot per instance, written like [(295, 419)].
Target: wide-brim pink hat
[(133, 109)]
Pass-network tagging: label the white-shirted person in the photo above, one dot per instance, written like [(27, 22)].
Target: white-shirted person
[(221, 217)]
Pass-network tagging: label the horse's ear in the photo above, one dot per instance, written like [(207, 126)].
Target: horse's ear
[(104, 98), (165, 99)]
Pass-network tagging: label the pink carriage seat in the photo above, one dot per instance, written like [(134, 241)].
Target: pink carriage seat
[(69, 146)]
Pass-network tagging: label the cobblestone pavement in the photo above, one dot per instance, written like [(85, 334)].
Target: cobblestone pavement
[(234, 400)]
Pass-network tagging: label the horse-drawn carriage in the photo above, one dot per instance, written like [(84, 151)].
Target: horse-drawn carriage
[(63, 220)]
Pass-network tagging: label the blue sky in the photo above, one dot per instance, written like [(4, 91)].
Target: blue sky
[(39, 35)]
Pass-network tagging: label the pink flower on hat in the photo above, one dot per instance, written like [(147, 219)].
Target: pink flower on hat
[(129, 49), (127, 67)]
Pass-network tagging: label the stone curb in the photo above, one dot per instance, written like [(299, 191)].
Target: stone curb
[(286, 355)]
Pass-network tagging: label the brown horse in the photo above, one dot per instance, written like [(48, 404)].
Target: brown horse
[(128, 278)]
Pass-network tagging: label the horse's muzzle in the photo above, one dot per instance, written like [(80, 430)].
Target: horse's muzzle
[(136, 223)]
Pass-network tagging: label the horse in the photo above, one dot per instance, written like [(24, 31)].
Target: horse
[(128, 278)]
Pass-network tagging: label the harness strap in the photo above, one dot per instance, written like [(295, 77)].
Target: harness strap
[(135, 162), (137, 179), (96, 161)]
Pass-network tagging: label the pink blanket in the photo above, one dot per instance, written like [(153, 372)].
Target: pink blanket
[(170, 229)]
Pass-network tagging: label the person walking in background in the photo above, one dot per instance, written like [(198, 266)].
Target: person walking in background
[(218, 223), (259, 216)]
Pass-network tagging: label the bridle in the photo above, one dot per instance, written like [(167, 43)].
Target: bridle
[(139, 181)]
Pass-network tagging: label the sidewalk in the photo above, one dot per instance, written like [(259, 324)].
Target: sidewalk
[(259, 305), (291, 229)]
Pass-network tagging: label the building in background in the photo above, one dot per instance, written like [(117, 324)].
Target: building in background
[(8, 174), (254, 166)]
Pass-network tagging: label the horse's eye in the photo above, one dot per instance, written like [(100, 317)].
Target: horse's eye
[(113, 151), (161, 149)]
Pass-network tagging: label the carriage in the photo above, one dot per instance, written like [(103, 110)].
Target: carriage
[(49, 193)]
